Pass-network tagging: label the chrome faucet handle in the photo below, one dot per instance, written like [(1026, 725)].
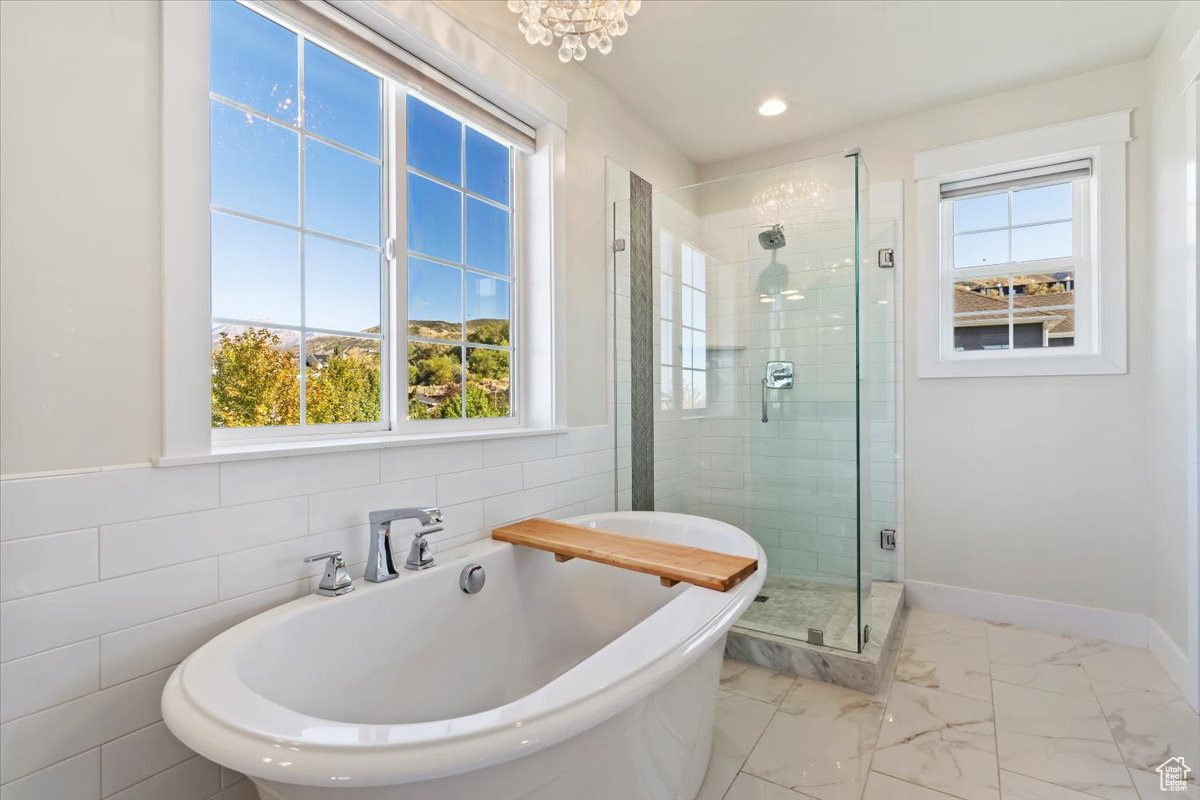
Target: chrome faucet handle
[(336, 580), (419, 555)]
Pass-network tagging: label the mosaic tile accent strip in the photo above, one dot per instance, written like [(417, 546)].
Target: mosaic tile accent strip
[(641, 267)]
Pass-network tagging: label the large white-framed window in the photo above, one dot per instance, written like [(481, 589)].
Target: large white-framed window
[(372, 251), (1021, 245)]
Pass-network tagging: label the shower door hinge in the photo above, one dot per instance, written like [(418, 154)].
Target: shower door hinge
[(887, 539), (866, 634), (618, 245), (887, 258)]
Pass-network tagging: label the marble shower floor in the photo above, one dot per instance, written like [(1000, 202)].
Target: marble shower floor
[(976, 711), (794, 605)]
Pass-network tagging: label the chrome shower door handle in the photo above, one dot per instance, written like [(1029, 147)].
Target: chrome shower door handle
[(764, 400)]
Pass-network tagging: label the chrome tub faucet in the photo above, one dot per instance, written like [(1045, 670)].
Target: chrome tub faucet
[(380, 565)]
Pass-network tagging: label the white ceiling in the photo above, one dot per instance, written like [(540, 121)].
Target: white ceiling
[(697, 70)]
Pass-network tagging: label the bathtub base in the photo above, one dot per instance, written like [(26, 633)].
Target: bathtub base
[(657, 748)]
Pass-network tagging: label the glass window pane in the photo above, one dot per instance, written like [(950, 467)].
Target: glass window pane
[(341, 193), (255, 165), (699, 351), (341, 286), (1044, 310), (685, 306), (699, 312), (342, 379), (487, 166), (666, 389), (253, 61), (487, 310), (255, 377), (698, 265), (1043, 204), (255, 271), (664, 296), (341, 101), (979, 213), (434, 141), (434, 381), (434, 219), (686, 342), (981, 314), (487, 236), (692, 389), (1042, 241), (976, 249), (434, 300), (667, 342), (685, 264), (487, 383)]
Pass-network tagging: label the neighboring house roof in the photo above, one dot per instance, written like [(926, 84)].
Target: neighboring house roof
[(1061, 322)]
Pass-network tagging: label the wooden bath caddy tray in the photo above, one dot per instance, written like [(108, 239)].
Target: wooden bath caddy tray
[(672, 563)]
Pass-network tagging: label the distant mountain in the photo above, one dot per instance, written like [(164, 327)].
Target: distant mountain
[(326, 344), (440, 329)]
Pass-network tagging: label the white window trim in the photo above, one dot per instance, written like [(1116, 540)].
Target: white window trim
[(1101, 138), (187, 431)]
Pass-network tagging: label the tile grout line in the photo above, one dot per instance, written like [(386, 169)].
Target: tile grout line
[(56, 763), (987, 644)]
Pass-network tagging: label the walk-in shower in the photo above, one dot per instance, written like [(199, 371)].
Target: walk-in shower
[(753, 365)]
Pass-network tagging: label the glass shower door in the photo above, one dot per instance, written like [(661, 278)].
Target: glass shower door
[(755, 351)]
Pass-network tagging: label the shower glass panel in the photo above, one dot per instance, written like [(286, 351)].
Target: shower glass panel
[(742, 378)]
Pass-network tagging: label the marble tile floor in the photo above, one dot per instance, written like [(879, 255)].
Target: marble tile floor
[(976, 711)]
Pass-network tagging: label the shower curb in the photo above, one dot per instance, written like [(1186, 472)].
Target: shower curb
[(863, 672)]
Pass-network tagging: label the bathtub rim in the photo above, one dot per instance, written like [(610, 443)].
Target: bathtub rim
[(606, 682)]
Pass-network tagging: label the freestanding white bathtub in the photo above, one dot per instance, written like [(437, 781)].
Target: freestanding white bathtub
[(571, 680)]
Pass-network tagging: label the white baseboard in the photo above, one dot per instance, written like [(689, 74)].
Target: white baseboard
[(1175, 662), (1048, 615)]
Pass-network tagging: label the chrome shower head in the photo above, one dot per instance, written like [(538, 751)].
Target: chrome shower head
[(772, 238)]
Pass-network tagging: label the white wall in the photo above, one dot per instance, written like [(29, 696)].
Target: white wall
[(1027, 486), (79, 261), (1167, 329)]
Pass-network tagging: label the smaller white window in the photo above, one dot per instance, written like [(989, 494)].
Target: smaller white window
[(1015, 261), (1022, 253)]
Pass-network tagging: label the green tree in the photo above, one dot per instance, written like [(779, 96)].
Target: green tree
[(492, 364), (254, 381), (479, 404), (345, 389)]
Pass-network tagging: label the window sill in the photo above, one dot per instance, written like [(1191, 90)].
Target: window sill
[(1048, 364), (253, 450)]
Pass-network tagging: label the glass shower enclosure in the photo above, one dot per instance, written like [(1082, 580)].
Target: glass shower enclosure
[(743, 368)]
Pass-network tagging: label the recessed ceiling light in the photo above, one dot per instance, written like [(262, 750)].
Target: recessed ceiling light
[(772, 107)]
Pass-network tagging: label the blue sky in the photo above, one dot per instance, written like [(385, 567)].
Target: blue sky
[(256, 170), (1035, 208)]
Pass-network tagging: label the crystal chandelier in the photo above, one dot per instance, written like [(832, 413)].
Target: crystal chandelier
[(574, 22)]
